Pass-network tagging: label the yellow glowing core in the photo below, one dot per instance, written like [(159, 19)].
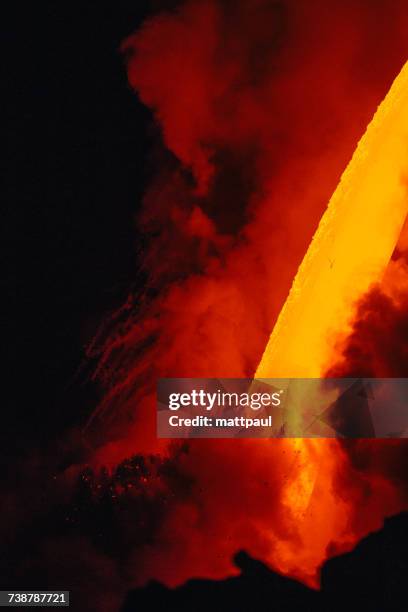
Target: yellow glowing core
[(349, 252), (351, 247)]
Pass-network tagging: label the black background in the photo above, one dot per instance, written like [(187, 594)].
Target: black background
[(75, 140)]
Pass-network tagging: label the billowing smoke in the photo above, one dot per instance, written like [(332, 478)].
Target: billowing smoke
[(260, 105), (257, 106), (377, 345)]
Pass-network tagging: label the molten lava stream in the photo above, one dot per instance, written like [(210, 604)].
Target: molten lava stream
[(349, 252)]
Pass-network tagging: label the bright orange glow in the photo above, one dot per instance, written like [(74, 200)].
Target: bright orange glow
[(350, 250), (257, 133)]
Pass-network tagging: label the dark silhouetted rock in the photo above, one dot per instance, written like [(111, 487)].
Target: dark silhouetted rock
[(370, 578)]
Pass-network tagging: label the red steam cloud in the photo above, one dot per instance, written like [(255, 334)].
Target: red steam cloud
[(260, 105), (377, 345)]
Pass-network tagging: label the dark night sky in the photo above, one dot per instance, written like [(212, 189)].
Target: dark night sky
[(75, 142)]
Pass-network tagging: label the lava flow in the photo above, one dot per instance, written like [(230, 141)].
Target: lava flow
[(341, 264)]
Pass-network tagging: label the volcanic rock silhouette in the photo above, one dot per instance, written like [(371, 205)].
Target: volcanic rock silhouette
[(371, 577)]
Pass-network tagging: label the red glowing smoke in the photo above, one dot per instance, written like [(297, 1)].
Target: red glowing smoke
[(260, 105)]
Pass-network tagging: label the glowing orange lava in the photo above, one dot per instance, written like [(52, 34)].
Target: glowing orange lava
[(349, 252)]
